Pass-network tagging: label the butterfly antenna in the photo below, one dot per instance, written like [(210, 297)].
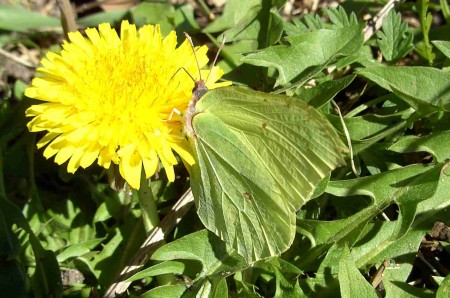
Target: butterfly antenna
[(181, 68), (195, 54), (222, 44)]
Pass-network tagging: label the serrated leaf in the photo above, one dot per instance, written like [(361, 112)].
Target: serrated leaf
[(387, 240), (245, 141), (395, 41), (313, 22), (340, 19), (308, 23), (307, 50), (396, 186), (418, 86), (351, 281), (296, 27)]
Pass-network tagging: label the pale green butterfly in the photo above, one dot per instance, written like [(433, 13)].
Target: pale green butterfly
[(258, 158)]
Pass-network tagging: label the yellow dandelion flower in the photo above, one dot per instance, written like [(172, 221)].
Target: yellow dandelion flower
[(117, 99)]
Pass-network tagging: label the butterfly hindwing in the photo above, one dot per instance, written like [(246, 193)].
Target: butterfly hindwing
[(235, 198)]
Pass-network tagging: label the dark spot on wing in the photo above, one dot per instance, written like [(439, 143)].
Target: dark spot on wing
[(248, 196), (264, 125)]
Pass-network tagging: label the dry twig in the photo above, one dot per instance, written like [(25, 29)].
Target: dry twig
[(375, 23), (157, 237)]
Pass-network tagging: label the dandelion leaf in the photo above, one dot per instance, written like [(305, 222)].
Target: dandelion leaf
[(258, 159)]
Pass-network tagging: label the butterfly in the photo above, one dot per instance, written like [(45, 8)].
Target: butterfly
[(259, 157)]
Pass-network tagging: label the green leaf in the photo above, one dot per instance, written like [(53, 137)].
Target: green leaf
[(19, 19), (307, 50), (235, 12), (437, 144), (443, 46), (418, 86), (246, 20), (185, 19), (165, 291), (253, 25), (369, 125), (205, 247), (245, 141), (158, 269), (340, 19), (47, 276), (445, 8), (12, 282), (351, 281), (217, 259), (444, 288), (245, 290), (395, 41), (161, 13), (323, 93), (112, 17), (391, 240), (244, 29), (123, 243), (19, 89), (395, 186), (396, 289), (296, 27), (426, 19), (313, 22), (78, 249), (285, 276), (368, 130)]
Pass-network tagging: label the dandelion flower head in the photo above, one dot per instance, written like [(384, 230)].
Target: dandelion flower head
[(118, 99)]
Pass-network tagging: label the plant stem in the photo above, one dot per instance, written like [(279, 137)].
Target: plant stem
[(148, 205)]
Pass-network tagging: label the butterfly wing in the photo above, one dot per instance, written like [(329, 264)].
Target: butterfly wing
[(259, 158)]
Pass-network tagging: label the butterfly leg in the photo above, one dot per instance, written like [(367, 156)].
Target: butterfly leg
[(174, 111)]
